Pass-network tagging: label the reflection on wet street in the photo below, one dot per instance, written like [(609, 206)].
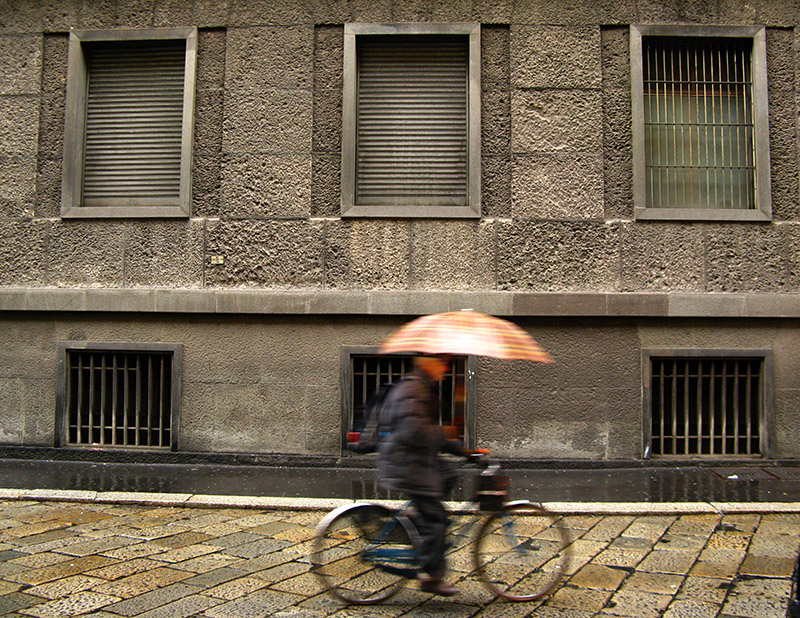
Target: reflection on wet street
[(644, 484)]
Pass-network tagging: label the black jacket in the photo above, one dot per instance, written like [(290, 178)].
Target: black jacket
[(408, 458)]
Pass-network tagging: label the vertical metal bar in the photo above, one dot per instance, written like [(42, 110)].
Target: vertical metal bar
[(103, 392), (126, 402), (149, 407), (138, 397), (681, 143), (662, 408), (750, 146), (737, 83), (79, 402), (705, 129), (699, 403), (726, 404), (711, 398), (749, 410), (114, 397), (675, 405), (161, 400), (90, 416), (662, 128), (729, 126)]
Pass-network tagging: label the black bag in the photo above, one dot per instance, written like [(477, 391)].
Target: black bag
[(377, 413), (793, 609)]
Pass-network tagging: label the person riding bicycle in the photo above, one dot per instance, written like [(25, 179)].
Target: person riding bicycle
[(409, 462)]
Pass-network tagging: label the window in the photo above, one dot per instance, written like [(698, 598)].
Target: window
[(119, 395), (129, 119), (700, 129), (364, 371), (707, 402), (411, 120)]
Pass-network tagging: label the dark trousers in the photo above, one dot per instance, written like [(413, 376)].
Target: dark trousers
[(431, 523)]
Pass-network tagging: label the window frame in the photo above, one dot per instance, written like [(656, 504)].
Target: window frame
[(766, 411), (349, 208), (758, 60), (470, 387), (75, 128)]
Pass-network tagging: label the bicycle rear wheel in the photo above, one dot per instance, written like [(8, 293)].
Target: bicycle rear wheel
[(522, 551), (363, 554)]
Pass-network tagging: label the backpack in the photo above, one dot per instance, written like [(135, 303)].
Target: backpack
[(378, 416)]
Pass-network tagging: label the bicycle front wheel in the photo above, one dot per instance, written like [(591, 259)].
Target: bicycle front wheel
[(363, 554), (522, 551)]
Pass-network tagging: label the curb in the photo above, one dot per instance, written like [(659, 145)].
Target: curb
[(325, 504)]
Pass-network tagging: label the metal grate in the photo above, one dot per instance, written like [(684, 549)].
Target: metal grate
[(370, 371), (119, 398), (699, 126), (706, 406)]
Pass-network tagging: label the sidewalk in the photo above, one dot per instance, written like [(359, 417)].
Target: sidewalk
[(110, 555), (650, 548)]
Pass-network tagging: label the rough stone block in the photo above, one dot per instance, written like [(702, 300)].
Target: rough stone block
[(662, 257), (29, 351), (23, 252), (760, 12), (211, 13), (111, 14), (211, 59), (272, 254), (692, 11), (616, 57), (424, 10), (792, 232), (206, 173), (172, 14), (556, 121), (328, 56), (557, 256), (208, 122), (364, 253), (557, 186), (164, 253), (326, 185), (263, 58), (19, 125), (375, 11), (492, 11), (496, 186), (327, 128), (617, 123), (20, 64), (51, 125), (550, 56), (25, 17), (17, 187), (576, 12), (784, 188), (266, 185), (27, 405), (618, 186), (281, 12), (450, 255), (495, 122), (86, 253), (785, 431), (746, 258), (495, 57), (330, 12), (268, 121)]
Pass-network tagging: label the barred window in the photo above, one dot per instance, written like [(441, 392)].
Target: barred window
[(119, 396), (707, 404), (365, 371), (699, 124)]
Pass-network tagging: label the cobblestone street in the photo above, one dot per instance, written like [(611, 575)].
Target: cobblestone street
[(110, 560)]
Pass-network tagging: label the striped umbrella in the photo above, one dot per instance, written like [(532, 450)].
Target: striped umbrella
[(465, 332)]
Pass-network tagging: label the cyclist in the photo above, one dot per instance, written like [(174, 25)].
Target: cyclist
[(409, 462)]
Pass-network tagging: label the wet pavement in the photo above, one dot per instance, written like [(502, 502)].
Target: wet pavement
[(118, 560), (751, 483)]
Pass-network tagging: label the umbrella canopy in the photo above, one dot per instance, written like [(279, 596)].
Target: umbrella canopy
[(465, 332)]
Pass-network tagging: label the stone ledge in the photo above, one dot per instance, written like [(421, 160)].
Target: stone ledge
[(403, 303)]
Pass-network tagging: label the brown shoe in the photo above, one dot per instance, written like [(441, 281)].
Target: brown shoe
[(437, 586)]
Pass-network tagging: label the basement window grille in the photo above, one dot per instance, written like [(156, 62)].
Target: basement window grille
[(700, 142), (366, 372), (119, 398), (707, 405)]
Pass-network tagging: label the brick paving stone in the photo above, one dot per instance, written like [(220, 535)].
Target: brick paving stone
[(580, 598), (182, 539), (260, 604), (73, 605), (767, 566), (236, 588), (125, 569), (620, 557), (64, 587), (660, 561), (635, 604), (656, 583), (188, 552), (649, 527), (687, 608), (711, 590), (37, 561), (73, 566), (142, 582), (150, 600), (598, 576), (263, 545), (204, 563), (97, 546), (141, 549), (216, 577), (695, 525), (182, 608), (608, 528), (681, 542), (757, 599), (17, 601)]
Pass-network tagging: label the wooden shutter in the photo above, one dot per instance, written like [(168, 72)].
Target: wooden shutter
[(134, 117), (411, 144)]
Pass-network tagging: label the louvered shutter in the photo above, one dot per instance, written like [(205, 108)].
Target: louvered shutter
[(134, 117), (412, 120)]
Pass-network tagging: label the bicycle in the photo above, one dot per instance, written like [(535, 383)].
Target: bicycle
[(364, 553)]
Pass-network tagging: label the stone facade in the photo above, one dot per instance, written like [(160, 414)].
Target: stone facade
[(557, 247)]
